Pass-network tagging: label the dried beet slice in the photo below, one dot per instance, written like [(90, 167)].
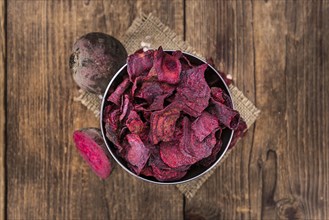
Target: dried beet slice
[(91, 147), (137, 154), (238, 132), (217, 94), (115, 97), (206, 162), (190, 145), (158, 103), (227, 116), (134, 123), (161, 171), (139, 64), (149, 90), (172, 155), (167, 67), (163, 124), (193, 91), (186, 64), (125, 107), (204, 125)]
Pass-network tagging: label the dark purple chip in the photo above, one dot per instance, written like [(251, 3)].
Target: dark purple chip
[(163, 124), (227, 116), (137, 154), (167, 67), (115, 97), (193, 91), (139, 64), (204, 125)]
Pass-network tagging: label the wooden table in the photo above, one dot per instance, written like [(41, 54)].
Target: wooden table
[(278, 54)]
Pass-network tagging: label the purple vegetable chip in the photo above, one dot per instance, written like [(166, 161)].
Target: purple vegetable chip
[(204, 125), (206, 162), (162, 171), (217, 94), (134, 123), (190, 145), (167, 67), (115, 97), (163, 124), (227, 116), (193, 92), (139, 64), (238, 132), (125, 107), (137, 154)]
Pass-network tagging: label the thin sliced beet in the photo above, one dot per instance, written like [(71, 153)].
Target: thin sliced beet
[(217, 94), (115, 97), (125, 107), (193, 91), (163, 124), (192, 146), (91, 147), (162, 171), (139, 64), (227, 116), (134, 123), (204, 125), (206, 162), (137, 154), (239, 132), (167, 67)]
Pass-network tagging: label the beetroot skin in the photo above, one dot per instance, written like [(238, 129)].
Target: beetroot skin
[(95, 58), (91, 146)]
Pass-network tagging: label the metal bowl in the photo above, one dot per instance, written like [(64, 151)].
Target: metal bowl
[(194, 172)]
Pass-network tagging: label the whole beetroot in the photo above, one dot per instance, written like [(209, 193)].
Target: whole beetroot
[(95, 58), (90, 144)]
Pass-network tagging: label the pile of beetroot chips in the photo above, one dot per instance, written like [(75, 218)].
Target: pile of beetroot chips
[(163, 117)]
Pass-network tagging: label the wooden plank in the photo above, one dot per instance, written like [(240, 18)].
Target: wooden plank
[(46, 176), (278, 54), (223, 31), (2, 108)]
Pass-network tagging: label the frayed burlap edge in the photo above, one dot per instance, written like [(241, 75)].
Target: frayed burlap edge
[(151, 30)]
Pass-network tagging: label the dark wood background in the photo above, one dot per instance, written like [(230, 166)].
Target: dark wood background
[(277, 52)]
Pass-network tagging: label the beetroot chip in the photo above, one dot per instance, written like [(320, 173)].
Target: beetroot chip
[(91, 147), (167, 67), (163, 124), (134, 123), (172, 155), (190, 145), (125, 107), (118, 92), (204, 125), (206, 162), (137, 154), (149, 91), (186, 64), (227, 116), (162, 171), (193, 92), (238, 132), (217, 94), (139, 64)]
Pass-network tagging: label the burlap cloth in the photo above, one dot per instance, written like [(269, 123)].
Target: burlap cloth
[(148, 31)]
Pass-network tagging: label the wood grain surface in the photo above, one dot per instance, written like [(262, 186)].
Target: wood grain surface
[(278, 54), (2, 108)]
